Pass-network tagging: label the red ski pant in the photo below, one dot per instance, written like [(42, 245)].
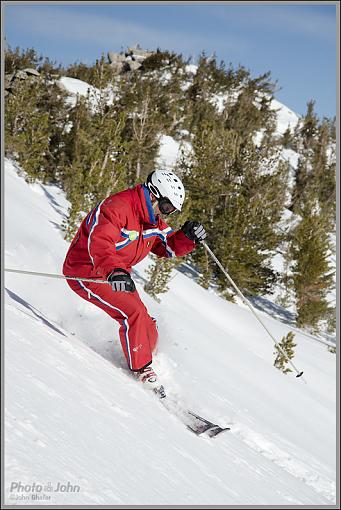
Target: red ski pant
[(138, 331)]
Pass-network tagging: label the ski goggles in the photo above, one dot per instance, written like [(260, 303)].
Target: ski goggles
[(166, 207)]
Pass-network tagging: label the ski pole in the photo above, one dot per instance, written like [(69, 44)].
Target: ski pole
[(210, 252), (51, 275)]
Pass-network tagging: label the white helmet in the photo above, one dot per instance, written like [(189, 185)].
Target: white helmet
[(164, 184)]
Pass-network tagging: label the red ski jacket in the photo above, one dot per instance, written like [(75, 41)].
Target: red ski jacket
[(120, 232)]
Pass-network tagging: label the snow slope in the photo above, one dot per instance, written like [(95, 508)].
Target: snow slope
[(75, 416)]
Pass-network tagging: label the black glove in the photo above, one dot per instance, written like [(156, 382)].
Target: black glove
[(121, 281), (194, 231)]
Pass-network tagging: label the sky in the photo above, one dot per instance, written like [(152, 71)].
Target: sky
[(296, 42)]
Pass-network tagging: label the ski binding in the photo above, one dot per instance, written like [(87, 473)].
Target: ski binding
[(160, 391)]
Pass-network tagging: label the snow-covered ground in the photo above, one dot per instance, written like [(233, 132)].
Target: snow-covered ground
[(286, 118), (170, 152), (84, 432), (76, 88)]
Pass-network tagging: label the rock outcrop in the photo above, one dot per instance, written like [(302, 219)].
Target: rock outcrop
[(130, 60), (19, 74)]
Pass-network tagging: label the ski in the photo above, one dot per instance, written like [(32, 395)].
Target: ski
[(194, 422)]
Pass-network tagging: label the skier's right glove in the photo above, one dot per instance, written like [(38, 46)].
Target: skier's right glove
[(121, 281)]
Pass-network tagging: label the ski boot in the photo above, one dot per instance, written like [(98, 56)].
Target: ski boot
[(149, 378)]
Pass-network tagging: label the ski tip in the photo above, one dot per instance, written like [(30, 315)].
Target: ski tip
[(214, 432), (299, 375)]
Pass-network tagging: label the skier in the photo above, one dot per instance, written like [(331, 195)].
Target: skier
[(117, 234)]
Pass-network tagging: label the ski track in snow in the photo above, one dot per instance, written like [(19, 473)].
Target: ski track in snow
[(305, 468), (308, 470)]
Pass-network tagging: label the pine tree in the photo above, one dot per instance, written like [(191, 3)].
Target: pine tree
[(166, 72), (287, 139), (310, 239), (237, 190), (143, 125), (323, 182), (52, 101), (16, 59), (316, 169), (35, 115), (312, 275), (287, 345), (308, 130), (159, 275), (27, 129), (251, 111), (99, 75)]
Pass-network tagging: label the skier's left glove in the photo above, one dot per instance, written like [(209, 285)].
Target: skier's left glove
[(194, 231), (121, 281)]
